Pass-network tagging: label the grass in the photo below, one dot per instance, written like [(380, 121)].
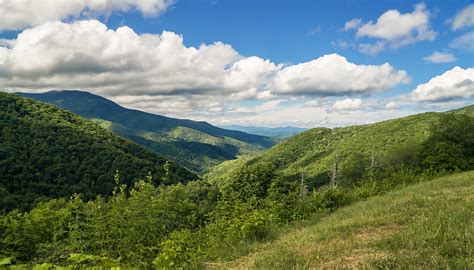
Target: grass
[(425, 226)]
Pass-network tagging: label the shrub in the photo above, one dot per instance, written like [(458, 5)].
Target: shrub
[(181, 249)]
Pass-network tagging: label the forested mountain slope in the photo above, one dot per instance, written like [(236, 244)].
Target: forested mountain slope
[(48, 152), (314, 152), (195, 145)]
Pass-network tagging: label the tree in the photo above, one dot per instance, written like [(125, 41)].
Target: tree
[(451, 145), (335, 171)]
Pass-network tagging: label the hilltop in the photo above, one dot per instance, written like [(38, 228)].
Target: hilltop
[(314, 151), (47, 152), (196, 145)]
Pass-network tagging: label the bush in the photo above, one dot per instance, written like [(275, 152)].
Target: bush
[(181, 249), (328, 198)]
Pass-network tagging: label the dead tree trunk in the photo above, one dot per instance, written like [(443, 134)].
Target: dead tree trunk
[(303, 188), (372, 163), (335, 171)]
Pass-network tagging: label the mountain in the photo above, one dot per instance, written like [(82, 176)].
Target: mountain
[(193, 144), (314, 151), (276, 132), (48, 152)]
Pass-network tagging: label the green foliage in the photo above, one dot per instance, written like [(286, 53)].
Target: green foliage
[(329, 198), (182, 249), (125, 229), (194, 145), (451, 145), (250, 182), (355, 167), (184, 225), (425, 226), (85, 260), (46, 152), (434, 141)]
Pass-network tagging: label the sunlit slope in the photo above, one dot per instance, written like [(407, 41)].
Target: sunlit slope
[(314, 151), (196, 145), (424, 226)]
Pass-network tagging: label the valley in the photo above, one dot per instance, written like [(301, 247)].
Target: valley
[(76, 188), (194, 145)]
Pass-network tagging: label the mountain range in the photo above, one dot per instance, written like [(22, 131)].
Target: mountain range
[(195, 145), (274, 132)]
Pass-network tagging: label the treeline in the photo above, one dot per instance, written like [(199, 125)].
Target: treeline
[(186, 225)]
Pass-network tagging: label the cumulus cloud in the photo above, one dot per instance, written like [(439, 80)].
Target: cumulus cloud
[(392, 105), (453, 84), (121, 64), (347, 105), (264, 107), (464, 19), (312, 103), (332, 75), (342, 44), (440, 57), (395, 29), (372, 49), (87, 55), (464, 42), (20, 14), (352, 24)]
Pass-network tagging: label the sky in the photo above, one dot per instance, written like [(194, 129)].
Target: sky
[(261, 62)]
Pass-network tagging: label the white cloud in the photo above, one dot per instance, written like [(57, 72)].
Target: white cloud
[(342, 44), (312, 103), (464, 19), (267, 106), (347, 105), (318, 29), (372, 49), (333, 75), (352, 24), (392, 105), (145, 71), (20, 14), (440, 57), (398, 29), (464, 42), (453, 84)]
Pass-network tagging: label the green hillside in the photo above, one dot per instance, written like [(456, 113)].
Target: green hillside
[(193, 144), (208, 223), (314, 152), (48, 152), (424, 226)]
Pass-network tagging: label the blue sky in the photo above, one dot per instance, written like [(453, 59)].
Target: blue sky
[(299, 30), (285, 33)]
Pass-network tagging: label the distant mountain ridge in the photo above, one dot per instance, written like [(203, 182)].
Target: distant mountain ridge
[(193, 144), (276, 132)]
